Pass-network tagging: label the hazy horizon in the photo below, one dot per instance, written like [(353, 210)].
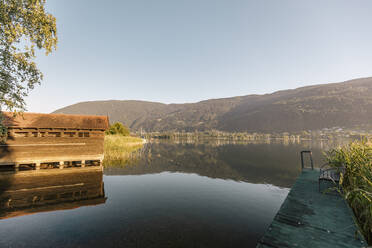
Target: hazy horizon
[(184, 52)]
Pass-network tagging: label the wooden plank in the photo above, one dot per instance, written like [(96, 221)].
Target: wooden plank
[(308, 218), (53, 149)]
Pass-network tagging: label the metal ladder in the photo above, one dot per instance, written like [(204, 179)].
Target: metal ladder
[(311, 159)]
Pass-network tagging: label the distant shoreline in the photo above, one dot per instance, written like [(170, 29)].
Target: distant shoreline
[(243, 136)]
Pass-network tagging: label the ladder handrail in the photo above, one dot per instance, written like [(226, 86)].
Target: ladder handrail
[(311, 159)]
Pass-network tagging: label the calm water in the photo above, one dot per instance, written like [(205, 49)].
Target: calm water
[(170, 195)]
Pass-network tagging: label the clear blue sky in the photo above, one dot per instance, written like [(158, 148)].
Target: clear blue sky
[(175, 51)]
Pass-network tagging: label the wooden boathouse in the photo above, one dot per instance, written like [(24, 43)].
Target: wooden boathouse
[(42, 141)]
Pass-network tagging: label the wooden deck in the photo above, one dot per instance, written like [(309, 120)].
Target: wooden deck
[(308, 218)]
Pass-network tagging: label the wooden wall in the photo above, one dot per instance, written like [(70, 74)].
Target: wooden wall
[(29, 145)]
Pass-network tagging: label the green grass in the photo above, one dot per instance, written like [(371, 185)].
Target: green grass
[(119, 150), (356, 183)]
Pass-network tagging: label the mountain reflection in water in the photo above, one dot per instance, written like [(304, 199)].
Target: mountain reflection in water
[(266, 163), (169, 195)]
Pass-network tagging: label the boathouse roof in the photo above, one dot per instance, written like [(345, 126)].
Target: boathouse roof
[(37, 120)]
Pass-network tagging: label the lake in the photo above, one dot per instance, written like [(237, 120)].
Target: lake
[(183, 194)]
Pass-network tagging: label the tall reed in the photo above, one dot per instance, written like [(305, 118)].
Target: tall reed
[(356, 183), (120, 150)]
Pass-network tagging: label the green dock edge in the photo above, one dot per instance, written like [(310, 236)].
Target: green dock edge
[(309, 218)]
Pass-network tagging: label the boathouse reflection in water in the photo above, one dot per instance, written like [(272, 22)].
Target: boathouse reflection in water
[(31, 192)]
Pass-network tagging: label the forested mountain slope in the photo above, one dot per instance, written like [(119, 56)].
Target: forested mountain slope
[(347, 104)]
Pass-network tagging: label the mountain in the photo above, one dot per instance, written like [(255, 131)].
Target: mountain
[(347, 104)]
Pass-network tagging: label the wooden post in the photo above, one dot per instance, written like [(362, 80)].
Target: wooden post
[(61, 164), (16, 167), (37, 165), (82, 163), (8, 203)]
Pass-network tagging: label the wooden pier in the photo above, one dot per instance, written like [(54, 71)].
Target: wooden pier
[(309, 218)]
